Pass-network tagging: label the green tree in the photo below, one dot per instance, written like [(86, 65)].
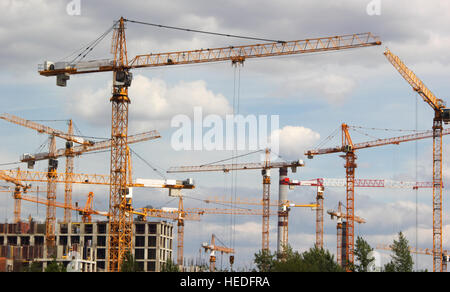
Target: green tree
[(401, 259), (264, 261), (362, 250), (170, 266), (313, 260), (34, 267), (319, 260), (54, 266), (287, 261), (129, 264)]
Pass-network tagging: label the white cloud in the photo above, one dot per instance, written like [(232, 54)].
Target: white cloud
[(324, 84), (294, 140), (153, 103)]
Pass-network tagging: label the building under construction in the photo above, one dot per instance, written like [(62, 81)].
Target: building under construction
[(25, 242)]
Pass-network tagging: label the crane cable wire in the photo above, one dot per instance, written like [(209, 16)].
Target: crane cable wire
[(416, 178), (204, 32)]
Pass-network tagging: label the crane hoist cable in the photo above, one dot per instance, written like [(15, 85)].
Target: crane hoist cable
[(231, 158), (328, 138), (416, 177), (148, 164), (236, 111), (204, 32), (90, 46), (384, 129)]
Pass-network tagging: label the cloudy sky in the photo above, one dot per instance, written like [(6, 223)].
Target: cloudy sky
[(310, 94)]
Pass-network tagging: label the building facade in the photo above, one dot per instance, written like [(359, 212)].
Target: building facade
[(25, 242)]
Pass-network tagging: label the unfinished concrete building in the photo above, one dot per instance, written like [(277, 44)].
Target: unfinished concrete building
[(23, 243)]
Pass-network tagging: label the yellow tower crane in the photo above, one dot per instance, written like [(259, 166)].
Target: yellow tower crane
[(69, 151), (441, 115)]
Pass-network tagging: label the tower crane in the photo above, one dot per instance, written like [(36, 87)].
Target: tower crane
[(349, 148), (342, 221), (265, 171), (121, 231), (216, 248), (441, 115), (70, 151), (52, 166), (19, 188), (424, 251)]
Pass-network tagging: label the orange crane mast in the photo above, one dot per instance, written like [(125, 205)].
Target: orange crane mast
[(120, 234), (349, 148), (441, 115)]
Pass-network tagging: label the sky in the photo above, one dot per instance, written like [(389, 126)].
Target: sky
[(311, 94)]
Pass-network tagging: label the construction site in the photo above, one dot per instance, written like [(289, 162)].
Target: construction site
[(202, 157)]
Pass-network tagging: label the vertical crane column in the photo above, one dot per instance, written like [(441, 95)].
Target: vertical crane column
[(51, 197), (69, 175), (180, 234), (283, 210), (350, 166), (437, 193), (120, 221), (17, 204), (339, 242), (319, 217), (266, 209)]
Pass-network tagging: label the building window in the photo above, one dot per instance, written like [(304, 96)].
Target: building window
[(151, 254), (63, 228), (62, 240), (39, 240), (151, 267), (101, 228), (24, 240), (12, 240), (139, 241), (74, 240), (140, 228), (101, 253), (101, 240), (88, 241), (152, 241), (88, 229), (139, 253), (152, 228)]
